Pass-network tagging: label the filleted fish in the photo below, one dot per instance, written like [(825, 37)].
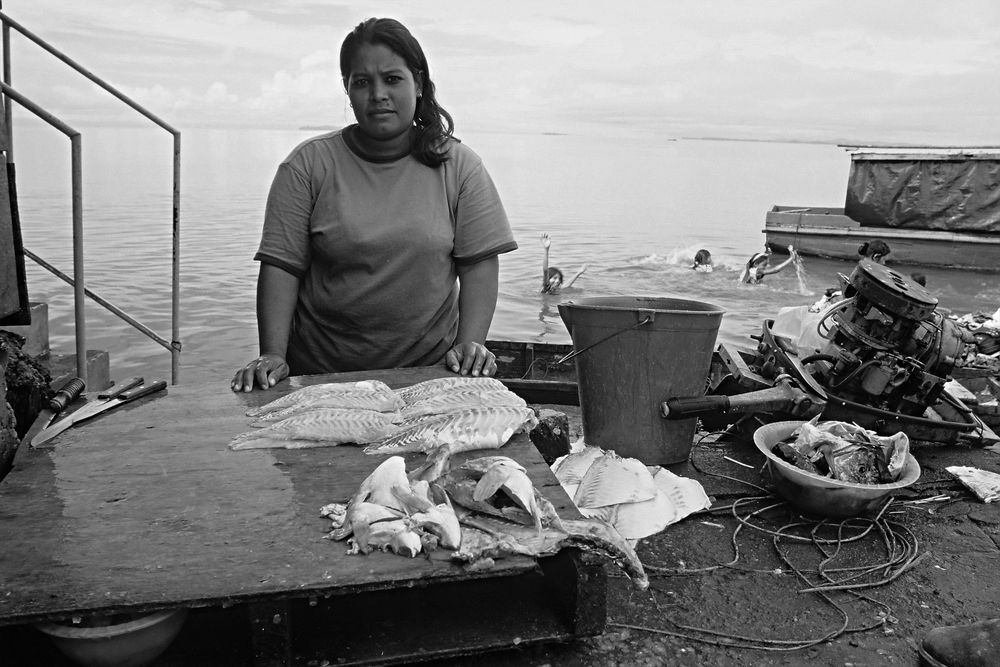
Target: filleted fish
[(450, 401), (474, 428), (365, 395), (456, 383), (319, 427)]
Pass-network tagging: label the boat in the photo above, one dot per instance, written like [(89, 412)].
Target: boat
[(934, 207)]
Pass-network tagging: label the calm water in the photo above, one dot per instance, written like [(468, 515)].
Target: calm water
[(635, 210)]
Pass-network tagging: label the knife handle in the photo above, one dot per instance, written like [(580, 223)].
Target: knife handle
[(144, 390), (69, 393), (130, 383)]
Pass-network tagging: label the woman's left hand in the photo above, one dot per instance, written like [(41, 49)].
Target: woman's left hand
[(471, 359)]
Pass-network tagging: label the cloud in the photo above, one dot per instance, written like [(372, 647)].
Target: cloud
[(817, 68)]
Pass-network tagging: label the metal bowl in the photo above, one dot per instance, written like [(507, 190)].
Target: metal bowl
[(134, 643), (824, 496)]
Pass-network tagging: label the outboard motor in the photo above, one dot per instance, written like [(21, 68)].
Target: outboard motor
[(888, 346)]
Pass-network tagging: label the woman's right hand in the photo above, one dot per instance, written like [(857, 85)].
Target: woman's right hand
[(265, 371), (545, 240)]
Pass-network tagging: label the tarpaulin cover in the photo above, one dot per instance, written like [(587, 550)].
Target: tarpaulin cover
[(945, 195)]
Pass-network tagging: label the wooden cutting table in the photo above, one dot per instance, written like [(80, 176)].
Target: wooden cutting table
[(145, 508)]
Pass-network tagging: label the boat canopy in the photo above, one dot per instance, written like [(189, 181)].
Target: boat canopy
[(950, 190)]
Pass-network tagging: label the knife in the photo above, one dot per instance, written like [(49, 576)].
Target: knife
[(128, 384), (87, 412), (66, 395)]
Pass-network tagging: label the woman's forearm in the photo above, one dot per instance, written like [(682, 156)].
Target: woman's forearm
[(477, 299), (277, 293)]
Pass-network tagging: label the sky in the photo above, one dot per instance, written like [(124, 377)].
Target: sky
[(918, 72)]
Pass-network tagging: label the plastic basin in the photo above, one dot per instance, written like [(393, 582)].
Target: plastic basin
[(132, 644), (824, 496)]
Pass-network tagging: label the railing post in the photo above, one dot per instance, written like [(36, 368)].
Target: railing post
[(79, 297), (174, 345), (8, 118), (175, 334)]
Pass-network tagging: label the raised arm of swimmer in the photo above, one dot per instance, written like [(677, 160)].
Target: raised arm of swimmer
[(774, 269)]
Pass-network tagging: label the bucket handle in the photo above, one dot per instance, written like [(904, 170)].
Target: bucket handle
[(650, 316)]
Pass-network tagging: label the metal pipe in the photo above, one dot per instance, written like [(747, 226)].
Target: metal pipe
[(85, 72), (76, 158), (8, 119), (175, 312), (175, 345), (166, 344), (79, 302)]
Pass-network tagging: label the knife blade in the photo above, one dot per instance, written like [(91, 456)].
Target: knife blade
[(87, 413), (94, 406), (68, 393)]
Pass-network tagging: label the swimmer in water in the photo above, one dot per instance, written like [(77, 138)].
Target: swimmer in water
[(759, 266), (875, 250), (552, 278), (702, 261)]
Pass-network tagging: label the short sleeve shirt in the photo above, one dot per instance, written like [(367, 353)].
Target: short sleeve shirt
[(376, 245)]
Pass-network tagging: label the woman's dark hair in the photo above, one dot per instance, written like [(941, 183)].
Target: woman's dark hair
[(434, 125), (873, 248), (553, 272), (702, 257)]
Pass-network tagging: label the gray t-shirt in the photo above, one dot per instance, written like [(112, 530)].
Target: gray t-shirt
[(376, 244)]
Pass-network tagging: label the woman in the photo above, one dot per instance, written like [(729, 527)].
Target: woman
[(381, 240), (759, 266)]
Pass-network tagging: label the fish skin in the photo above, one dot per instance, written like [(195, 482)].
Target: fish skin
[(375, 389), (330, 426), (611, 480), (422, 390), (571, 468), (475, 428)]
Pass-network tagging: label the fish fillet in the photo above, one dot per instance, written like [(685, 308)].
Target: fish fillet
[(459, 400), (321, 426), (475, 428), (368, 394), (427, 388)]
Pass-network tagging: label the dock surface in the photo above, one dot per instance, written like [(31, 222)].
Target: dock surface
[(146, 508)]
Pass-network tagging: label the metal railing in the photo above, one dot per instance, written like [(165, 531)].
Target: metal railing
[(77, 281)]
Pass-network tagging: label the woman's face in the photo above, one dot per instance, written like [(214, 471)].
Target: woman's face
[(383, 94)]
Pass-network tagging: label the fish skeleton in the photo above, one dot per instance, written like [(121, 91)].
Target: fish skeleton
[(319, 426), (367, 394), (459, 400), (427, 388), (491, 537), (475, 428)]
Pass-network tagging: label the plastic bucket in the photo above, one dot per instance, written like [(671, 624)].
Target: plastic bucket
[(632, 353)]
